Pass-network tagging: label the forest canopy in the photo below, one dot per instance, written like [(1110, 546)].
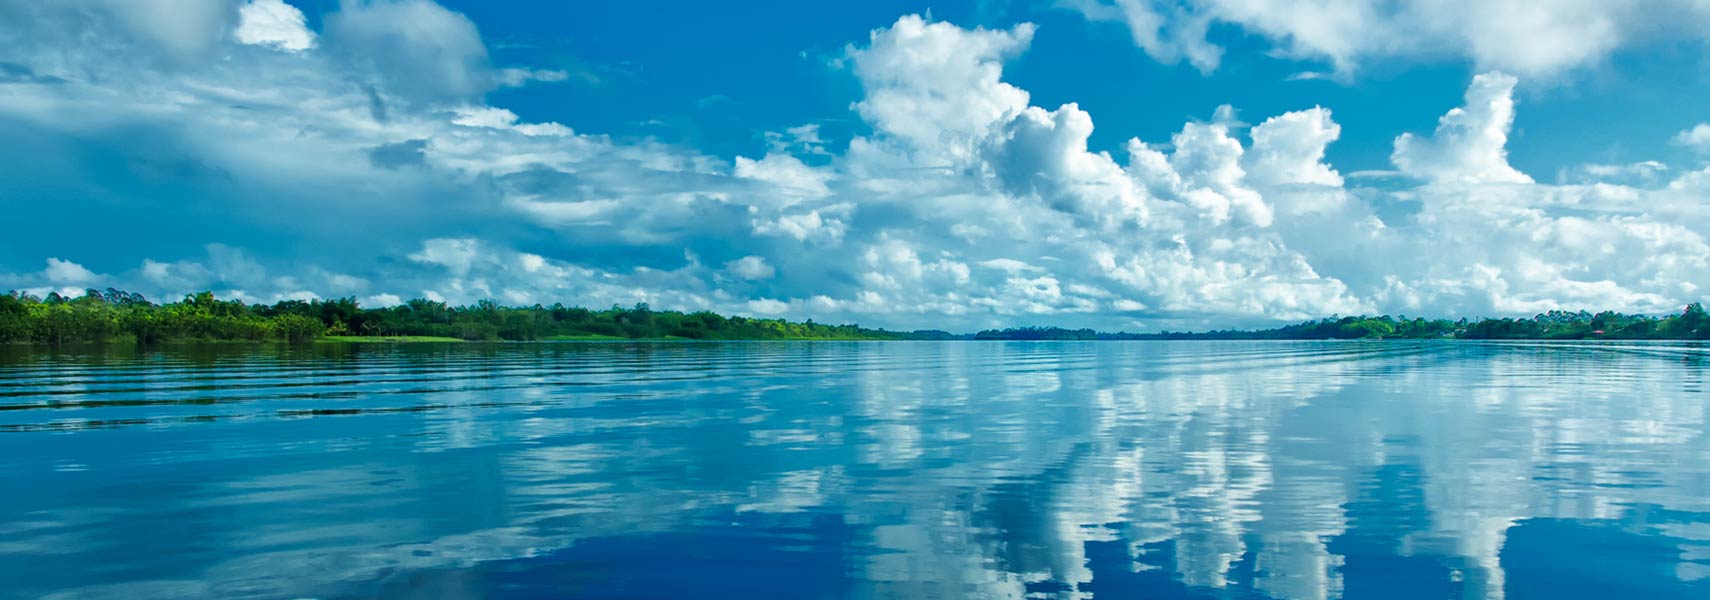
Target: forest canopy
[(118, 316), (115, 316)]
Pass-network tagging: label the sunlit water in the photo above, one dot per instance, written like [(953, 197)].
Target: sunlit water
[(866, 470)]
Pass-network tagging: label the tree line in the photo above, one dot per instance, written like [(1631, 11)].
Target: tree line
[(1691, 324), (116, 316)]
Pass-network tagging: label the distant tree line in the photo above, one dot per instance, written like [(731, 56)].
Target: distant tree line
[(1045, 333), (1691, 324), (117, 316)]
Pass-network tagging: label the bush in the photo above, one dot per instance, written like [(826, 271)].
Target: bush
[(297, 328)]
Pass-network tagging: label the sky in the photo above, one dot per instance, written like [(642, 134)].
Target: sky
[(1118, 164)]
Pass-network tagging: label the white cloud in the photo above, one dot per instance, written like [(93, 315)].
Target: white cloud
[(937, 87), (273, 23), (415, 47), (804, 138), (175, 278), (1289, 149), (803, 226), (1534, 39), (1470, 144), (67, 273), (1208, 161), (517, 77), (750, 268), (1009, 265), (498, 118), (1697, 138), (531, 262), (1639, 173), (792, 177), (1044, 154), (382, 301), (234, 266), (1168, 33), (156, 271), (457, 255)]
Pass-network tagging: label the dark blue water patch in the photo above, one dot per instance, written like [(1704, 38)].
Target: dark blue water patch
[(729, 555), (1607, 558), (1388, 510)]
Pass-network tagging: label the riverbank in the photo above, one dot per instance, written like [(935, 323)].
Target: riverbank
[(116, 317)]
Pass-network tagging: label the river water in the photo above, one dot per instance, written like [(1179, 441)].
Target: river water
[(858, 470)]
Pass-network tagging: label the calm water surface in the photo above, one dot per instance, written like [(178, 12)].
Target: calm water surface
[(865, 470)]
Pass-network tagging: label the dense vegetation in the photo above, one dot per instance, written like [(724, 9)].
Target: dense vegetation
[(117, 316), (1691, 324)]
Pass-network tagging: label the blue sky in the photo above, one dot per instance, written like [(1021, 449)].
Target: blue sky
[(1112, 163)]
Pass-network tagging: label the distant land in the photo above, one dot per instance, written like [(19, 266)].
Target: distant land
[(114, 316)]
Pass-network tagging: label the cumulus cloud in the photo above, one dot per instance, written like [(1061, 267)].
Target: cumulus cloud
[(1534, 39), (751, 268), (1207, 161), (1470, 144), (415, 47), (964, 205), (455, 255), (181, 275), (1697, 138), (65, 272), (1044, 154), (273, 23), (804, 226), (1289, 149), (937, 87)]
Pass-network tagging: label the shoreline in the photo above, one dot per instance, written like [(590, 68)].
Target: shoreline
[(431, 340)]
